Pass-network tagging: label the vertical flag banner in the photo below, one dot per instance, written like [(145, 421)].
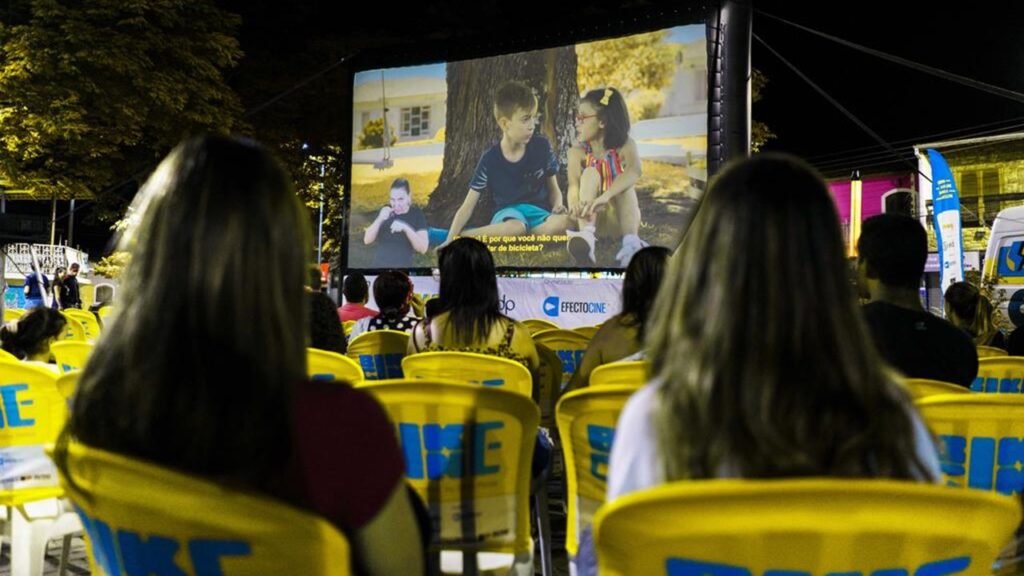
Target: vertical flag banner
[(946, 209)]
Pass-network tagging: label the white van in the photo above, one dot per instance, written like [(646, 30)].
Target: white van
[(1004, 263)]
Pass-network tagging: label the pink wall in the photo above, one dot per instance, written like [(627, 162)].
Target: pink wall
[(872, 189)]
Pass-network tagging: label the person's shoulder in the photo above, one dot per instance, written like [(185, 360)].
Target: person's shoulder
[(539, 142)]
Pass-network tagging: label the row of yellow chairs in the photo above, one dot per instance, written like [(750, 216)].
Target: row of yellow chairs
[(81, 325)]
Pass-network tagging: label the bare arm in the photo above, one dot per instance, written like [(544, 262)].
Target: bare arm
[(463, 214), (390, 543), (575, 170), (555, 196), (370, 236)]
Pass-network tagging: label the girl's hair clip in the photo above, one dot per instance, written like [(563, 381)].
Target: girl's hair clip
[(607, 96)]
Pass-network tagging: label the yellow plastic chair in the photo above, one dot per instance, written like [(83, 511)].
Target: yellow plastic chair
[(490, 371), (12, 314), (468, 452), (999, 375), (106, 312), (586, 426), (980, 436), (89, 322), (68, 383), (633, 373), (379, 353), (535, 325), (347, 325), (5, 355), (146, 519), (71, 354), (990, 352), (33, 415), (73, 330), (923, 388), (323, 365), (569, 346), (586, 331), (806, 526)]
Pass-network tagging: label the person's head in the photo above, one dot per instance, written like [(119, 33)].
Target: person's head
[(325, 332), (515, 109), (401, 196), (968, 309), (355, 289), (59, 271), (603, 117), (392, 291), (211, 337), (892, 251), (73, 269), (765, 365), (30, 336), (468, 291), (640, 286), (315, 278)]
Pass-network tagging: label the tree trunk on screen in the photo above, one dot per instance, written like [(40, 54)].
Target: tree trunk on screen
[(470, 127)]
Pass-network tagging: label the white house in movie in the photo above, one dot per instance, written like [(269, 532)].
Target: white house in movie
[(416, 108)]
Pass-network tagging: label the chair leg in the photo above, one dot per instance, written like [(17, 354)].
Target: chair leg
[(28, 546), (540, 506), (65, 554)]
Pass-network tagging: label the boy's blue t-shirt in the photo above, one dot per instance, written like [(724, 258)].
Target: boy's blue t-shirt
[(519, 182)]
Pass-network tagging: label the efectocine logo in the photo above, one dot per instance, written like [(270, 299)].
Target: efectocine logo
[(553, 306)]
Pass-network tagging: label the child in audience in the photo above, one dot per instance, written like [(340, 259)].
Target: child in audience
[(29, 337), (206, 374), (392, 291)]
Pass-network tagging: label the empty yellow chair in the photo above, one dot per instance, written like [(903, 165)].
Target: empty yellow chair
[(535, 325), (923, 387), (379, 353), (803, 527), (586, 426), (71, 354), (88, 321), (586, 331), (569, 346), (33, 414), (73, 330), (323, 365), (990, 352), (146, 519), (982, 439), (468, 452), (490, 371), (999, 375), (12, 314), (632, 373)]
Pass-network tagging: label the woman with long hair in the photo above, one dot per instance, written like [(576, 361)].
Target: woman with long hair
[(29, 337), (466, 316), (969, 310), (761, 363), (204, 368), (621, 337)]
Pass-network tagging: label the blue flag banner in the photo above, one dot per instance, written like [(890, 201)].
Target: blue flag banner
[(946, 209)]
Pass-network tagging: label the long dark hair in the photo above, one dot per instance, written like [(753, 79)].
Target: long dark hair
[(640, 286), (391, 292), (611, 109), (469, 291), (196, 371), (765, 364), (29, 335)]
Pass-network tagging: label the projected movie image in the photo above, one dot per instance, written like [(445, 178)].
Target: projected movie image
[(570, 157)]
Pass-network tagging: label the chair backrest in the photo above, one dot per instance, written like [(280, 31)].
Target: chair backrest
[(106, 312), (468, 452), (68, 383), (806, 526), (89, 322), (999, 375), (5, 355), (347, 326), (634, 373), (73, 330), (569, 346), (535, 325), (323, 365), (586, 425), (586, 331), (71, 354), (379, 353), (990, 352), (12, 314), (923, 387), (33, 414), (490, 371), (145, 519), (982, 439)]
